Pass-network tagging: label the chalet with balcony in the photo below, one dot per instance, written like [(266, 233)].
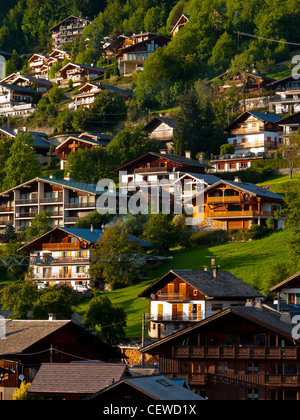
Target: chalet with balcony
[(64, 256), (41, 85), (289, 126), (288, 291), (237, 205), (65, 199), (78, 74), (68, 30), (184, 297), (16, 100), (182, 21), (87, 94), (246, 83), (241, 353), (83, 141), (254, 132), (162, 129), (28, 344), (38, 64), (159, 167), (287, 98), (133, 55)]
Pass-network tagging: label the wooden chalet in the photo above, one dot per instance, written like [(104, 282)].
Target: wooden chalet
[(78, 74), (38, 64), (250, 83), (41, 85), (83, 141), (289, 126), (133, 55), (236, 205), (287, 99), (87, 94), (241, 353), (68, 30), (75, 381), (182, 21), (183, 297), (162, 129), (63, 256), (153, 167), (288, 291), (16, 100), (254, 132), (30, 343), (145, 388), (40, 141)]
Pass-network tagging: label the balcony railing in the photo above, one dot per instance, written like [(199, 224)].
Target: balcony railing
[(232, 214), (214, 352), (62, 246), (224, 199), (71, 276), (91, 204), (156, 169), (27, 201)]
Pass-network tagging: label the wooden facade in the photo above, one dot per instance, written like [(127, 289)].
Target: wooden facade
[(239, 354), (234, 205), (183, 297), (68, 30), (37, 342)]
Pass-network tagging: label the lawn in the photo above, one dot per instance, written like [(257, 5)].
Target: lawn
[(250, 261), (278, 184)]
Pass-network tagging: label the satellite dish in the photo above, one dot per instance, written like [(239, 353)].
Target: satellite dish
[(153, 296), (21, 377)]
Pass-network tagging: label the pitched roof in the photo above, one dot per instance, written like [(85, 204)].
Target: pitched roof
[(72, 16), (92, 237), (263, 116), (157, 387), (265, 317), (157, 120), (291, 119), (17, 88), (39, 139), (75, 378), (293, 281), (225, 286), (20, 335), (84, 66), (181, 160), (249, 188), (206, 178)]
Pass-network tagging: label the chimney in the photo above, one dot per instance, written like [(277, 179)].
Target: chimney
[(237, 179), (16, 131), (249, 303), (163, 152), (258, 303), (67, 177), (52, 317), (25, 129), (188, 154), (286, 317), (205, 268), (51, 176), (215, 273), (92, 228)]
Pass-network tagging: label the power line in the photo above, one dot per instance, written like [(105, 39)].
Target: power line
[(266, 39)]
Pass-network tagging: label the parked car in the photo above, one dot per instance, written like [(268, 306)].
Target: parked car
[(42, 286), (261, 154), (80, 288)]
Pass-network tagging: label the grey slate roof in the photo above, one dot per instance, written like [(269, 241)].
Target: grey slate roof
[(225, 286), (206, 178), (157, 387)]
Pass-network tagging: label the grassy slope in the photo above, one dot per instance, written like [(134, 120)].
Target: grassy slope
[(250, 261)]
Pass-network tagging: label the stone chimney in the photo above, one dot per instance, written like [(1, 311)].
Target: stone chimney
[(52, 317), (67, 177), (258, 303), (286, 317), (92, 228), (237, 179), (188, 154), (163, 152), (249, 303)]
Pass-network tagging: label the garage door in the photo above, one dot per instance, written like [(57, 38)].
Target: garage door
[(235, 224)]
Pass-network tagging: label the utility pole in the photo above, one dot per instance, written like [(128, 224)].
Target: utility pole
[(143, 338)]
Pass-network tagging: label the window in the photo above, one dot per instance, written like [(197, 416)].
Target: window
[(260, 340), (253, 394), (222, 367), (253, 367)]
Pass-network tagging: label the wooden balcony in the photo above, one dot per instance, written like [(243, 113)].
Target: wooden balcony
[(224, 199), (154, 169), (62, 247), (234, 214), (213, 352), (91, 204)]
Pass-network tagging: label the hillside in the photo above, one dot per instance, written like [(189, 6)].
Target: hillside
[(250, 261)]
